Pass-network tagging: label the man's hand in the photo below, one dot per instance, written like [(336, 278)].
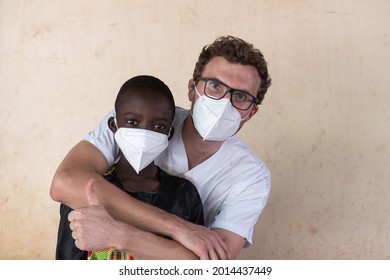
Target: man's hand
[(205, 243), (91, 226)]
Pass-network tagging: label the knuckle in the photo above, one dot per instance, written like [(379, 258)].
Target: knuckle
[(203, 249)]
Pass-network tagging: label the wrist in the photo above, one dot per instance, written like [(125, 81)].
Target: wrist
[(176, 227), (123, 236)]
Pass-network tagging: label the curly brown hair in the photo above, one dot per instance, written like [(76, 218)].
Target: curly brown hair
[(235, 50)]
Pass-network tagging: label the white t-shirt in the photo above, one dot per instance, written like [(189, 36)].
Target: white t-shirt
[(234, 184)]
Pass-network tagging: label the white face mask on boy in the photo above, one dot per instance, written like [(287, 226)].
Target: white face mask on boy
[(140, 146), (215, 120)]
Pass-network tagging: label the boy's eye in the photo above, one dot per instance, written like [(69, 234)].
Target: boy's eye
[(160, 126), (132, 122)]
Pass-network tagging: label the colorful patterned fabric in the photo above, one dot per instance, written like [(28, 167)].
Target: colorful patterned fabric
[(109, 254)]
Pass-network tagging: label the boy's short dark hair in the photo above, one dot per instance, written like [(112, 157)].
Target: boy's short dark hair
[(144, 82)]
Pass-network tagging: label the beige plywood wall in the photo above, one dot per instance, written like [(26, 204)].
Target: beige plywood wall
[(323, 128)]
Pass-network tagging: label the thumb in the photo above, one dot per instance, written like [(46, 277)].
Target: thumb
[(91, 194)]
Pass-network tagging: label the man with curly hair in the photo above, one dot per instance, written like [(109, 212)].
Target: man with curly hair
[(229, 82)]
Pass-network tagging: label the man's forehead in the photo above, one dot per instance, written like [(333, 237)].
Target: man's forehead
[(235, 75)]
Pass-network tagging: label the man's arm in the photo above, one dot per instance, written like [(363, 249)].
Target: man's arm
[(94, 229), (85, 161), (234, 242)]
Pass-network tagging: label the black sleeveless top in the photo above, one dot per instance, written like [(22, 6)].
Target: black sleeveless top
[(176, 195)]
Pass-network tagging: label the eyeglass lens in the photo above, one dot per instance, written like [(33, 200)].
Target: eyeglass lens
[(217, 90)]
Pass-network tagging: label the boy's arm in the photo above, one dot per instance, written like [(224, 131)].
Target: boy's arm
[(85, 161)]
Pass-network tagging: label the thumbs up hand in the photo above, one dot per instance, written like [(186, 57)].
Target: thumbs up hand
[(92, 225)]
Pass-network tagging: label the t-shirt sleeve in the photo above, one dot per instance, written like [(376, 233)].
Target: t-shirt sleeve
[(240, 212), (103, 139)]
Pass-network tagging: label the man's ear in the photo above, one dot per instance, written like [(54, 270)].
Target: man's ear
[(191, 90), (112, 125), (171, 132), (252, 113)]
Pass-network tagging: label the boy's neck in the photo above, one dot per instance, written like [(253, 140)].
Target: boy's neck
[(146, 181)]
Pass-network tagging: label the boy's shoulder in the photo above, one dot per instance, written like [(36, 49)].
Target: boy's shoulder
[(170, 179), (170, 176)]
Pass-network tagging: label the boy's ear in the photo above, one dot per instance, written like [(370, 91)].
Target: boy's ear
[(112, 124), (171, 132)]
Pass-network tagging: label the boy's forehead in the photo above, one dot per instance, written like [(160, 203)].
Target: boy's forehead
[(145, 95), (145, 101)]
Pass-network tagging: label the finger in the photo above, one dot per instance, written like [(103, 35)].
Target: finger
[(77, 244), (74, 235), (71, 216), (72, 226), (91, 194), (217, 248), (212, 254), (204, 255), (222, 249), (222, 254)]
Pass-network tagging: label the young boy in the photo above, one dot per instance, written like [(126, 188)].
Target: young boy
[(142, 125)]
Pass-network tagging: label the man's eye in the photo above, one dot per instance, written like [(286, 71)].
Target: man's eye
[(214, 85), (240, 96)]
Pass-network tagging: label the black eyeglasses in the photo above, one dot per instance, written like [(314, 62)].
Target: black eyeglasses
[(218, 90)]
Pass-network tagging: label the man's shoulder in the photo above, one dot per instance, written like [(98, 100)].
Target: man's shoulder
[(235, 148), (180, 115), (236, 153)]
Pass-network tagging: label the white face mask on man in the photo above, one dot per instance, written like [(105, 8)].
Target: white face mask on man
[(140, 146), (215, 120)]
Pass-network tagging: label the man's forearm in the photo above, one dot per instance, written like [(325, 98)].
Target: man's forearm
[(148, 246), (94, 229), (85, 161)]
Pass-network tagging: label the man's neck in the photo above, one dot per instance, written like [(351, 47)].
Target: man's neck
[(197, 150)]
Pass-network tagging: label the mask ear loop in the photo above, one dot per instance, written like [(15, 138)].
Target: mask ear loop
[(119, 153), (115, 121), (171, 132), (196, 90), (245, 119)]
